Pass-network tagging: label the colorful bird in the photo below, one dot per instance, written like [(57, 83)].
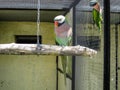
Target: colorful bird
[(63, 32), (96, 13)]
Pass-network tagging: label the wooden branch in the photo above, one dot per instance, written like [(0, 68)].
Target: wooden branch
[(31, 49)]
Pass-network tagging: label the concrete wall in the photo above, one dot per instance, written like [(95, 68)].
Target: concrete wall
[(27, 72)]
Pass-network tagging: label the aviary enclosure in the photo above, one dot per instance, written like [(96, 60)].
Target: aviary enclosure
[(28, 24)]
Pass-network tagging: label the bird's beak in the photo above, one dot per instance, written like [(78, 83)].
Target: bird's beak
[(56, 23)]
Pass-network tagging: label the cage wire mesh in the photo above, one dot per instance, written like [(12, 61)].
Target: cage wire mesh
[(118, 57), (113, 56), (89, 71), (115, 47)]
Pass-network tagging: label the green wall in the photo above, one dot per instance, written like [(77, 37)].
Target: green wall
[(27, 72)]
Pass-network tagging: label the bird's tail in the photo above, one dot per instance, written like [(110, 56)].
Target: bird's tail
[(64, 65)]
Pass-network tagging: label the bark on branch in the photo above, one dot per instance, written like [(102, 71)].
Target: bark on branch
[(31, 49)]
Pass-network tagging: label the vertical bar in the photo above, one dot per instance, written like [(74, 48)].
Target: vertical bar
[(106, 82), (74, 43), (116, 57), (56, 72), (73, 5)]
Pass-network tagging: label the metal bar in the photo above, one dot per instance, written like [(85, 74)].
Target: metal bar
[(74, 43), (56, 72), (72, 5), (106, 82), (116, 57)]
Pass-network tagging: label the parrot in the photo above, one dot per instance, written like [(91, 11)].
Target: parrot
[(96, 13), (63, 37)]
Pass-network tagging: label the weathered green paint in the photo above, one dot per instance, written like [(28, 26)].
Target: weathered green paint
[(27, 72)]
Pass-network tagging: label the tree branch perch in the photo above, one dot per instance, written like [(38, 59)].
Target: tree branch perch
[(31, 49)]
